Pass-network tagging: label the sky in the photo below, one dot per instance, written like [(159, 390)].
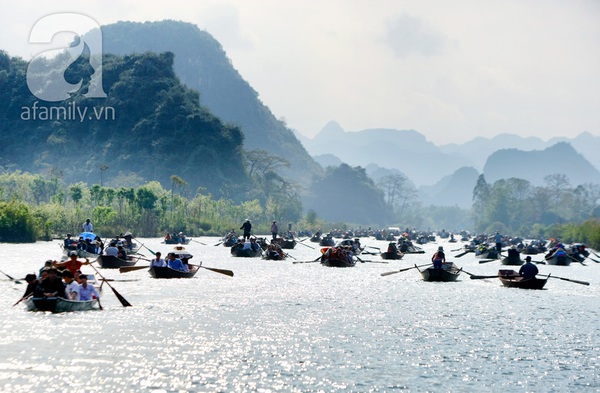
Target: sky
[(451, 70)]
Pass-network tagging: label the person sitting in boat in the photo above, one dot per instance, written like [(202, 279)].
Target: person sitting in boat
[(46, 266), (528, 270), (254, 245), (32, 283), (72, 264), (112, 249), (392, 248), (168, 237), (175, 263), (87, 292), (247, 244), (121, 254), (158, 261), (272, 253), (69, 244), (51, 286), (439, 258), (513, 252), (81, 244), (71, 286)]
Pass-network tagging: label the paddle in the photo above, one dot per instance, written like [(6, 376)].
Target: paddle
[(153, 253), (316, 260), (123, 301), (487, 260), (11, 278), (219, 243), (474, 277), (305, 245), (222, 271), (462, 254), (403, 270), (204, 244), (567, 279), (23, 298), (576, 260), (127, 269), (377, 248), (288, 255)]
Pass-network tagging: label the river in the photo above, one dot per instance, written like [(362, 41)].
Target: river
[(302, 327)]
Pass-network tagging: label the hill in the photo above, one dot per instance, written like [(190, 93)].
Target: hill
[(202, 64), (149, 127), (535, 165)]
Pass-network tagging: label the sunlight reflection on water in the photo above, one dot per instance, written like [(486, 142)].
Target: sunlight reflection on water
[(279, 326)]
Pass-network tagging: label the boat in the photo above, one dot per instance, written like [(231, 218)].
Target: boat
[(514, 260), (336, 257), (448, 272), (285, 243), (327, 241), (238, 251), (113, 262), (58, 304), (561, 260), (177, 241), (512, 279), (167, 272), (487, 253), (391, 255)]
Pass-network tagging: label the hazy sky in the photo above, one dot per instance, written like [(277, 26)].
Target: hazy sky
[(451, 70)]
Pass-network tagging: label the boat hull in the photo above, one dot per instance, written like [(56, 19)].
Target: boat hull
[(331, 262), (559, 261), (447, 273), (512, 279), (112, 262), (391, 255), (238, 252), (59, 305), (167, 272), (512, 261)]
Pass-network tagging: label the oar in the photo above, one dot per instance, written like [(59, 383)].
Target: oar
[(369, 261), (567, 279), (222, 271), (126, 269), (306, 245), (123, 301), (11, 278), (204, 244), (288, 255), (595, 260), (594, 252), (23, 298), (475, 277), (487, 260), (153, 253), (377, 248), (316, 260), (403, 270), (219, 243), (576, 260), (458, 249), (462, 254)]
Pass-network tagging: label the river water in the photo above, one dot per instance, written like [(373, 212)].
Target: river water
[(285, 327)]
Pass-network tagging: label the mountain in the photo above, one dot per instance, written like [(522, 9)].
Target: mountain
[(405, 150), (452, 190), (533, 166), (202, 64), (479, 149), (149, 127)]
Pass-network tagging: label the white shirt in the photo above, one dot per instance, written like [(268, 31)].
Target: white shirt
[(160, 263), (88, 227), (72, 287)]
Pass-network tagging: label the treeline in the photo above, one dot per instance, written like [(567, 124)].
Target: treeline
[(35, 207), (515, 206)]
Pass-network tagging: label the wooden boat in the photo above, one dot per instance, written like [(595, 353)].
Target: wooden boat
[(562, 260), (327, 242), (336, 257), (285, 243), (489, 253), (512, 279), (448, 272), (391, 255), (167, 272), (177, 241), (113, 262), (238, 251), (58, 304), (512, 260)]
